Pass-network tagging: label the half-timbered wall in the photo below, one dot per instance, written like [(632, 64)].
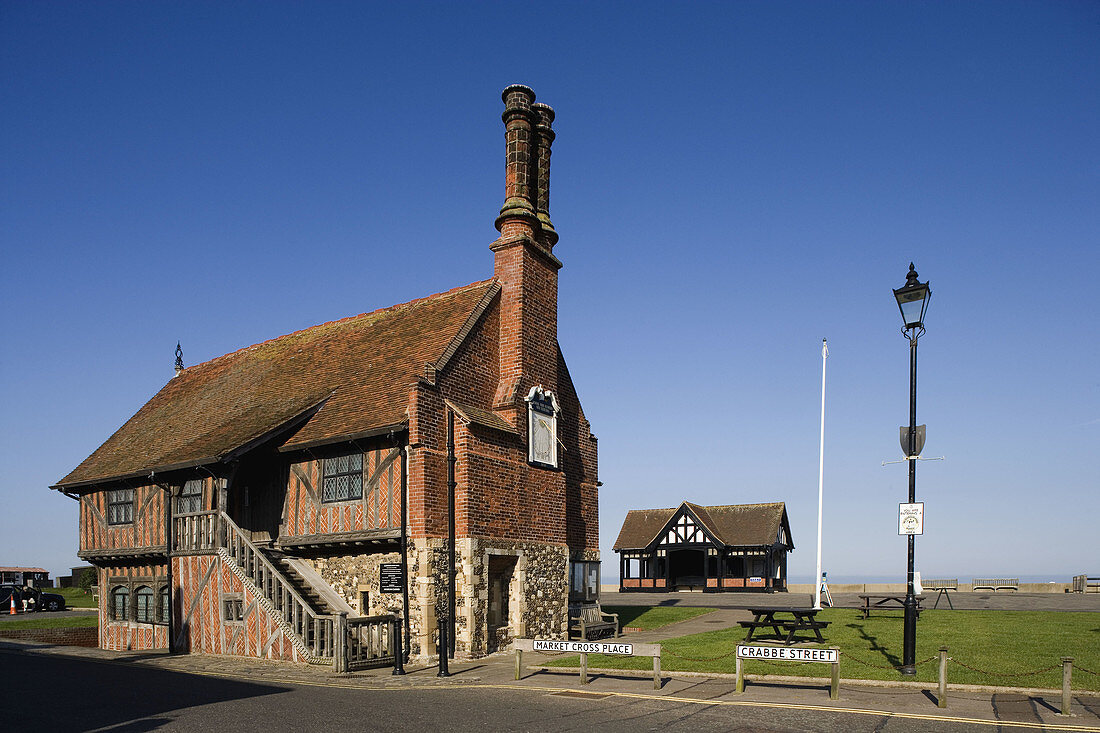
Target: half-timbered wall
[(123, 635), (146, 530), (379, 508), (202, 585)]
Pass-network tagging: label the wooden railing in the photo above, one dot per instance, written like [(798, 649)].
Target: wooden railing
[(316, 630), (369, 641), (195, 532)]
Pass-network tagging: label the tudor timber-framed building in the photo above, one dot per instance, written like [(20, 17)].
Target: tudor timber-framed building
[(740, 547), (250, 505)]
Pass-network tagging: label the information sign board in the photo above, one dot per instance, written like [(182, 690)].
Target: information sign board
[(788, 654), (390, 578), (584, 647), (911, 518)]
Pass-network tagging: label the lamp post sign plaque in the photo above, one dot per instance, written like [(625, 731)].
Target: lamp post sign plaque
[(911, 518)]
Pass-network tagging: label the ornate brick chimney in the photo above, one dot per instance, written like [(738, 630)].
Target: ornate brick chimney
[(525, 266)]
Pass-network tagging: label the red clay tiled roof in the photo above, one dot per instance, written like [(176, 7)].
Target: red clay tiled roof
[(361, 368), (737, 525)]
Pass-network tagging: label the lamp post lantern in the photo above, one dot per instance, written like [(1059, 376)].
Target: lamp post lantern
[(913, 302)]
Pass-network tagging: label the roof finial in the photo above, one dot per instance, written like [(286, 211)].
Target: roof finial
[(179, 359), (911, 278)]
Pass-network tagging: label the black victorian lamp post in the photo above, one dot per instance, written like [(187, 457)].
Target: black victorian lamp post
[(913, 301)]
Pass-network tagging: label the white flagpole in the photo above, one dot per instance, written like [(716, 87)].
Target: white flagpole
[(820, 477)]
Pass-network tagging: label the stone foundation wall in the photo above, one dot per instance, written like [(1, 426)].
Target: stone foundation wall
[(538, 591)]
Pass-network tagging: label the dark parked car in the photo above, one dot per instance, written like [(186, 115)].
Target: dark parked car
[(43, 601)]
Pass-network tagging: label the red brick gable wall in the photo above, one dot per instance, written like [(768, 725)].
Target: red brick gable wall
[(580, 466), (499, 495)]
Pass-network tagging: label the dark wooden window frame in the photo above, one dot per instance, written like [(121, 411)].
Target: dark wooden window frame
[(189, 500), (120, 506), (330, 470), (232, 608), (145, 613), (157, 609), (120, 591)]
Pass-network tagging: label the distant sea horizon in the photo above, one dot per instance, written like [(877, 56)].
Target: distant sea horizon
[(963, 578)]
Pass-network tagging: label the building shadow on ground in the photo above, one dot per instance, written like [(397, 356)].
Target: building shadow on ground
[(56, 692)]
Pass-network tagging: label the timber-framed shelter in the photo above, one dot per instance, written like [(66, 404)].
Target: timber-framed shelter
[(740, 547)]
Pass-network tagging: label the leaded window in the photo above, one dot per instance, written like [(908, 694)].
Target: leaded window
[(144, 612), (343, 478), (120, 603), (233, 609), (190, 498), (163, 607), (120, 506)]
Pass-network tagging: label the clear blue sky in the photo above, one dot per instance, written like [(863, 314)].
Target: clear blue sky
[(731, 182)]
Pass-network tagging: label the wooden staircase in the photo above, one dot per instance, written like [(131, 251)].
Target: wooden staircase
[(310, 627), (304, 588), (313, 615)]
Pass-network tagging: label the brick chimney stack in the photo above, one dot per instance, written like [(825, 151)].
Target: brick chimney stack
[(524, 264), (544, 138), (517, 216)]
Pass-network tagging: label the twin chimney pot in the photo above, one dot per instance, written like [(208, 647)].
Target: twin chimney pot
[(528, 137)]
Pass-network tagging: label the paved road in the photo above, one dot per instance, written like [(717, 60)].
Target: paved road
[(131, 692), (102, 696)]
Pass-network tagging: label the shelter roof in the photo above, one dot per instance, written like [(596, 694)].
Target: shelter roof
[(735, 525)]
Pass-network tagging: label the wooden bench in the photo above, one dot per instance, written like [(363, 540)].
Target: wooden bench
[(942, 586), (1085, 584), (872, 601), (996, 584), (593, 623)]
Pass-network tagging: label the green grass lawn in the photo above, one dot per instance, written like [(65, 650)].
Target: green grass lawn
[(1001, 644), (46, 621), (74, 597), (652, 617)]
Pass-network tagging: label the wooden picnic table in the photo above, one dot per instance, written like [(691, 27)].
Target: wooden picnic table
[(801, 619), (884, 600)]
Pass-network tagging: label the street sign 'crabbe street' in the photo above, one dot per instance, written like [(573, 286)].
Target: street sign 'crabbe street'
[(584, 647), (911, 518), (788, 654)]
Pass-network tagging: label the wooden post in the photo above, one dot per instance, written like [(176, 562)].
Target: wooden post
[(657, 669), (941, 698), (1067, 673), (584, 669), (740, 676), (834, 685), (519, 663), (340, 648)]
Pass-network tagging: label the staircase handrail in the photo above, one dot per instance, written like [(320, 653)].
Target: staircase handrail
[(271, 569)]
